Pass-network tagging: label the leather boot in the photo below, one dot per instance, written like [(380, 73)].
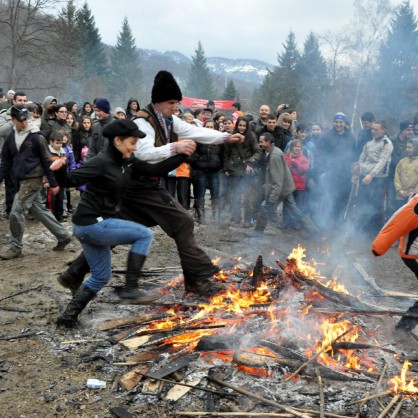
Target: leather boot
[(79, 301), (73, 277), (204, 287), (408, 323), (67, 280), (200, 211), (130, 292)]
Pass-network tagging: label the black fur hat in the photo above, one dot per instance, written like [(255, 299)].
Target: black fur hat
[(165, 88)]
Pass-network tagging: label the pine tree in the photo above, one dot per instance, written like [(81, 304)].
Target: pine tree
[(313, 79), (281, 84), (126, 70), (397, 63), (230, 92), (200, 84), (92, 50)]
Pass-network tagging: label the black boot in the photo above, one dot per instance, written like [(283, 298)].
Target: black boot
[(200, 211), (130, 291), (74, 275), (79, 301), (408, 323), (204, 287)]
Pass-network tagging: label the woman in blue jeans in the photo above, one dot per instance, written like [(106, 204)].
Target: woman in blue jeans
[(95, 222)]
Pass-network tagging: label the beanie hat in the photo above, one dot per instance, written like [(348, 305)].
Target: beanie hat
[(48, 100), (405, 124), (122, 127), (165, 88), (120, 110), (340, 115), (103, 105)]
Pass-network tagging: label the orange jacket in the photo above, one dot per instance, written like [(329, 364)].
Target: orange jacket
[(402, 225)]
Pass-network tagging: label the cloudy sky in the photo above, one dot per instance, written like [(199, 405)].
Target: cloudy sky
[(226, 28)]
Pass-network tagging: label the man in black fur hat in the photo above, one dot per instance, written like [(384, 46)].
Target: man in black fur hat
[(147, 203)]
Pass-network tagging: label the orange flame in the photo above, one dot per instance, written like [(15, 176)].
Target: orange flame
[(400, 384)]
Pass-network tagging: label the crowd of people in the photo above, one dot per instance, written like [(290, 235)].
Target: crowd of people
[(137, 167)]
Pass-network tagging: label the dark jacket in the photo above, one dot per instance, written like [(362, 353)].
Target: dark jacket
[(98, 142), (32, 160), (237, 156), (106, 177), (56, 125), (278, 135), (80, 139), (207, 157)]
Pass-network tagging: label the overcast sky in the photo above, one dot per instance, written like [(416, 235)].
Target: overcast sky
[(226, 28)]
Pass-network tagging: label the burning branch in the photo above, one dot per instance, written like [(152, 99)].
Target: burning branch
[(324, 350)]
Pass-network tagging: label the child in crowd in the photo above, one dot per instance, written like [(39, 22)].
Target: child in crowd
[(56, 202), (299, 166), (71, 165)]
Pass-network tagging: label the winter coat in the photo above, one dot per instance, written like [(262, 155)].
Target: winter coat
[(98, 142), (375, 158), (299, 166), (106, 177), (32, 160), (406, 173), (80, 140), (207, 157), (399, 152), (237, 156), (402, 225), (278, 179)]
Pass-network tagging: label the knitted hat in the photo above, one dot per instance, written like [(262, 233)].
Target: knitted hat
[(405, 124), (340, 115), (165, 88), (103, 105), (122, 127), (120, 110), (48, 100)]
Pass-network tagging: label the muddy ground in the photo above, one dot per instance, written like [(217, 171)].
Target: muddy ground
[(40, 376)]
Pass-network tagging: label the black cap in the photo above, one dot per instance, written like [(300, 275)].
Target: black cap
[(122, 127), (19, 112)]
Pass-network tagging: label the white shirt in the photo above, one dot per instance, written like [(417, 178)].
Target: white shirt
[(148, 152)]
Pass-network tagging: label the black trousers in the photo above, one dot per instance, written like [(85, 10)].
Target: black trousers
[(407, 322), (146, 203)]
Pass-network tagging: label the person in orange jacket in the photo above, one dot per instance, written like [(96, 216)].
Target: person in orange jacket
[(403, 225)]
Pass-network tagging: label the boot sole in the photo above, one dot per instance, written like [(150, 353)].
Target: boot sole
[(139, 301)]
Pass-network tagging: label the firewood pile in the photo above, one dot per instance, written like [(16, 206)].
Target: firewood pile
[(280, 341)]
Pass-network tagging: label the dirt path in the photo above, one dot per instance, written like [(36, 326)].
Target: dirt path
[(41, 376)]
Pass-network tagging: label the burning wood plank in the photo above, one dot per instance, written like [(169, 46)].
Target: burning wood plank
[(257, 272), (130, 320), (172, 366)]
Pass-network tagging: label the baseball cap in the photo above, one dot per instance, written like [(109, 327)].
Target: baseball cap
[(19, 112)]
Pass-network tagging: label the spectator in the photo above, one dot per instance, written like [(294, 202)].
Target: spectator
[(131, 108)]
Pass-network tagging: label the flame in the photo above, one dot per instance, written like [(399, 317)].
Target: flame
[(309, 270), (330, 332), (400, 384), (191, 339), (216, 260)]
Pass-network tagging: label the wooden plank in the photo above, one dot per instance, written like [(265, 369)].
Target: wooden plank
[(172, 366), (136, 342), (131, 379), (136, 319), (177, 391), (152, 387)]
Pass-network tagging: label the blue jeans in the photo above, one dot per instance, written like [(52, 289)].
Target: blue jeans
[(209, 179), (97, 240)]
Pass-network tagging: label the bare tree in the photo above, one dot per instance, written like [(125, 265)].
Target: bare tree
[(27, 32)]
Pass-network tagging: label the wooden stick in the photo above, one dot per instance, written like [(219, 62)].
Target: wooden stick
[(347, 345), (389, 406), (397, 409), (217, 392), (327, 348), (20, 292), (94, 340), (16, 336), (259, 398), (368, 313), (7, 308), (321, 393), (232, 414), (368, 398)]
